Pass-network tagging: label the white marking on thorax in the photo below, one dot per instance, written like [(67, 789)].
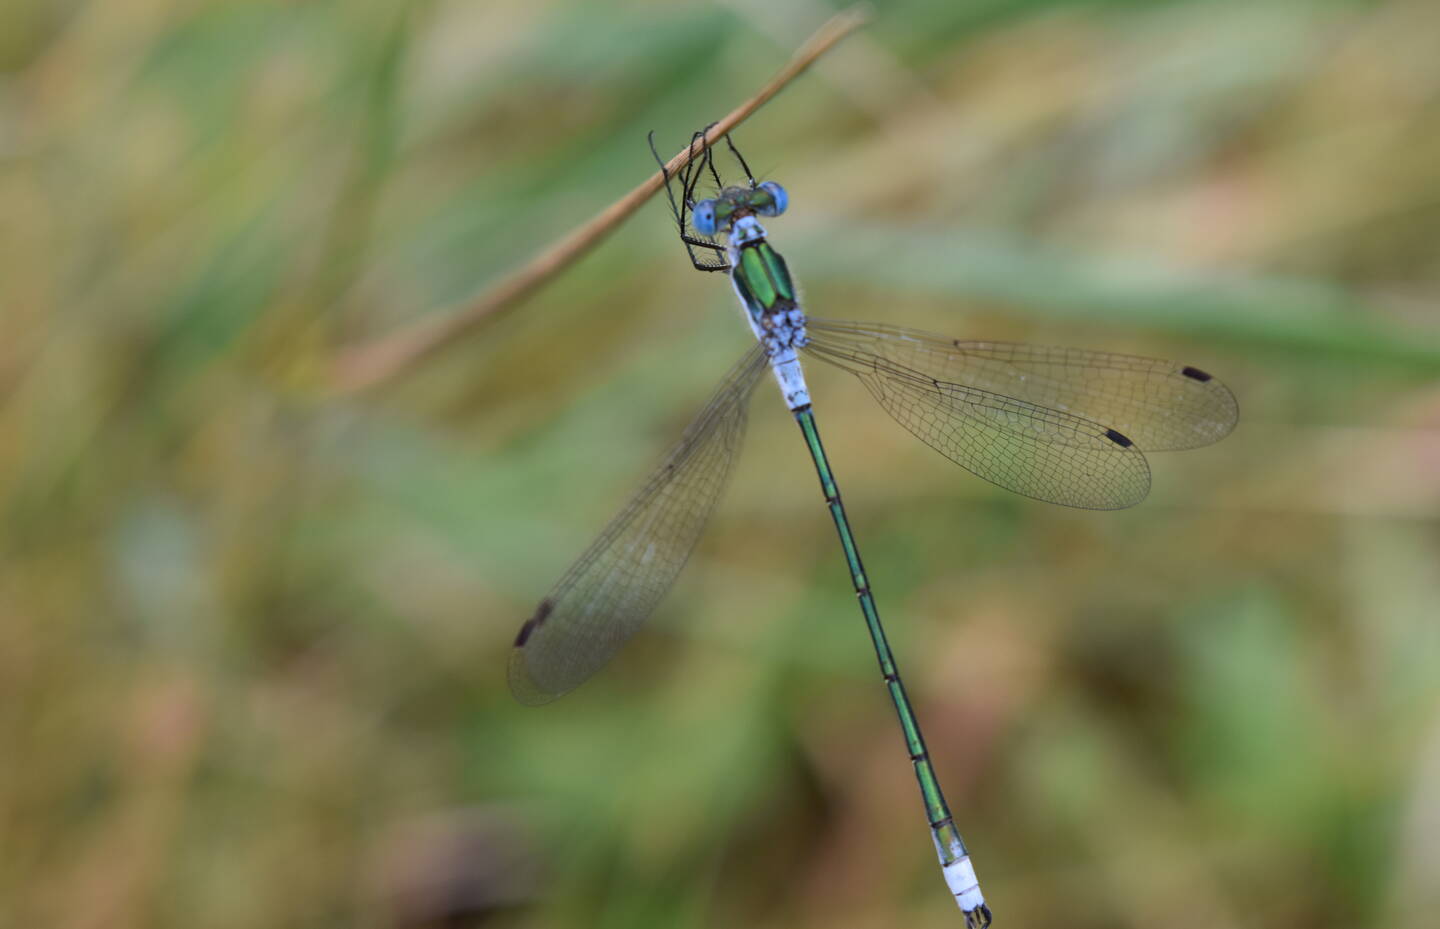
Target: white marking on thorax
[(743, 230)]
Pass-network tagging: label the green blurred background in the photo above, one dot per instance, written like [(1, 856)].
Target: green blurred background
[(253, 634)]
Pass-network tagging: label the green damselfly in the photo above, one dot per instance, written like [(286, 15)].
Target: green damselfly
[(1061, 425)]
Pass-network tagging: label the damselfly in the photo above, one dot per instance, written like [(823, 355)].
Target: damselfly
[(1057, 424)]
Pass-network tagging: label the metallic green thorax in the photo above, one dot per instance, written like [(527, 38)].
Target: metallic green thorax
[(762, 279)]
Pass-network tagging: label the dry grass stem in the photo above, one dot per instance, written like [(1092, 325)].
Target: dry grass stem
[(389, 357)]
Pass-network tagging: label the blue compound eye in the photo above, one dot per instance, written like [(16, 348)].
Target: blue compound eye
[(702, 217), (778, 195)]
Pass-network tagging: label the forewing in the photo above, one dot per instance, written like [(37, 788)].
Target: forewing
[(611, 589), (1030, 449), (1159, 405)]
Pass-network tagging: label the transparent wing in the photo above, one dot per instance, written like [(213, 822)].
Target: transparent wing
[(1044, 453), (1160, 405), (608, 593)]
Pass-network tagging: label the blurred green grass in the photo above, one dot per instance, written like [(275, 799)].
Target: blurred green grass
[(252, 638)]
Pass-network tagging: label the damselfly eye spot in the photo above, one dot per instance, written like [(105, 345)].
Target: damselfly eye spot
[(702, 217), (778, 199)]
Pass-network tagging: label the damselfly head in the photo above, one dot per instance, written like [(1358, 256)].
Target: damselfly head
[(713, 216)]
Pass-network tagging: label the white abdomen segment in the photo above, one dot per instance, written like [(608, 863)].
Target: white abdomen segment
[(786, 366), (960, 875)]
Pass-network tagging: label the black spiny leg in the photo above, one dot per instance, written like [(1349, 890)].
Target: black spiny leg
[(749, 176), (688, 178), (707, 161)]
